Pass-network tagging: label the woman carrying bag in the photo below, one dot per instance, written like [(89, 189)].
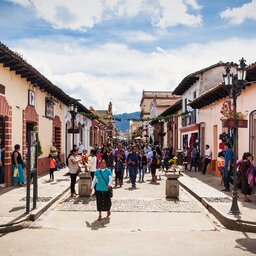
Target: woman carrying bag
[(103, 181), (17, 167)]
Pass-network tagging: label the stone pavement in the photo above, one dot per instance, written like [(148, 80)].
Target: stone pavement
[(207, 189), (13, 201), (145, 198)]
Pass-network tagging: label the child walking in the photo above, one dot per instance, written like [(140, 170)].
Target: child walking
[(52, 167)]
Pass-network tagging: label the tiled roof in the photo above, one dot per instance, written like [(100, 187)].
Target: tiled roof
[(18, 65), (218, 92), (189, 80)]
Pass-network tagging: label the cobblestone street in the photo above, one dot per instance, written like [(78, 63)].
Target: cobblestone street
[(131, 205), (146, 198)]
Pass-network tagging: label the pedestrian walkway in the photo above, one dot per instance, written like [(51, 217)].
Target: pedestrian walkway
[(207, 189), (13, 200), (146, 198)]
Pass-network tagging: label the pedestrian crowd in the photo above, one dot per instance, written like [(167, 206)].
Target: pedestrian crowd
[(107, 165), (121, 162)]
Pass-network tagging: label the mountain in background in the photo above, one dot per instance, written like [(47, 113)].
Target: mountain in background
[(123, 125)]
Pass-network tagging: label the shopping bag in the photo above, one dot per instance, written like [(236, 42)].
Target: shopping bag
[(16, 172)]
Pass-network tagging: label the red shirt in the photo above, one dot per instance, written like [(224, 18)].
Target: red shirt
[(52, 164)]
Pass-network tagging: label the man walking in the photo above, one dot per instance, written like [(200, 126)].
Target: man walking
[(227, 166), (133, 160), (207, 158), (193, 160)]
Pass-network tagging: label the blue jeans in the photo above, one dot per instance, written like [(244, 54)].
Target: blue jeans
[(133, 174), (142, 171), (226, 177)]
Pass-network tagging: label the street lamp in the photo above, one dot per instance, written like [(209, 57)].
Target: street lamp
[(73, 112), (233, 85)]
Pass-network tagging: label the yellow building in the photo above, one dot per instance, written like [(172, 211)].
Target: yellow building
[(152, 104), (29, 101)]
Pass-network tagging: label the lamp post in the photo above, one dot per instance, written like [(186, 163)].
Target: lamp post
[(73, 112), (234, 85)]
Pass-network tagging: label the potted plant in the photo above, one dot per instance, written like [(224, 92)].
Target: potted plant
[(231, 118)]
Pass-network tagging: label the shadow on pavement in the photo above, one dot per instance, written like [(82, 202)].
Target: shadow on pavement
[(131, 188), (96, 225), (154, 183), (78, 200), (17, 208), (247, 244)]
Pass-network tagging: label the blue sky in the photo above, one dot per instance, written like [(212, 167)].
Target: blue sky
[(110, 50)]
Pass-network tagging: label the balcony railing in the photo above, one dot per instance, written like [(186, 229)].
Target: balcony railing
[(189, 119)]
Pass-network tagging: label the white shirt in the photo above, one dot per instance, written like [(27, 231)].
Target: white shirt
[(73, 167), (80, 149), (147, 150), (92, 163), (208, 153)]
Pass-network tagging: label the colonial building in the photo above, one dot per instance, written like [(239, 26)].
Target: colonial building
[(171, 124), (209, 105), (103, 129), (159, 126), (190, 88), (152, 104), (135, 128), (29, 101)]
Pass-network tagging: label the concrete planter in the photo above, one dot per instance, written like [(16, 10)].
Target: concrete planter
[(172, 185), (84, 184)]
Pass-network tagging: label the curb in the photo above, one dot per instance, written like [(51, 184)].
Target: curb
[(237, 225), (34, 215), (15, 227)]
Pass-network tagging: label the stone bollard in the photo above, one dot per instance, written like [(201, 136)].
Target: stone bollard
[(84, 184), (172, 185)]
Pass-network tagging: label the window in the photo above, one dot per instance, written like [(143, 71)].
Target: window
[(49, 108), (2, 89), (194, 94)]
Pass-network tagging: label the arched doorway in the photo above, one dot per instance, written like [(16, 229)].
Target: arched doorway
[(30, 123), (5, 140), (57, 134), (201, 145)]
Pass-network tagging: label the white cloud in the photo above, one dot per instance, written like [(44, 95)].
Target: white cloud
[(137, 36), (240, 14), (84, 14), (193, 4), (114, 72), (174, 13)]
